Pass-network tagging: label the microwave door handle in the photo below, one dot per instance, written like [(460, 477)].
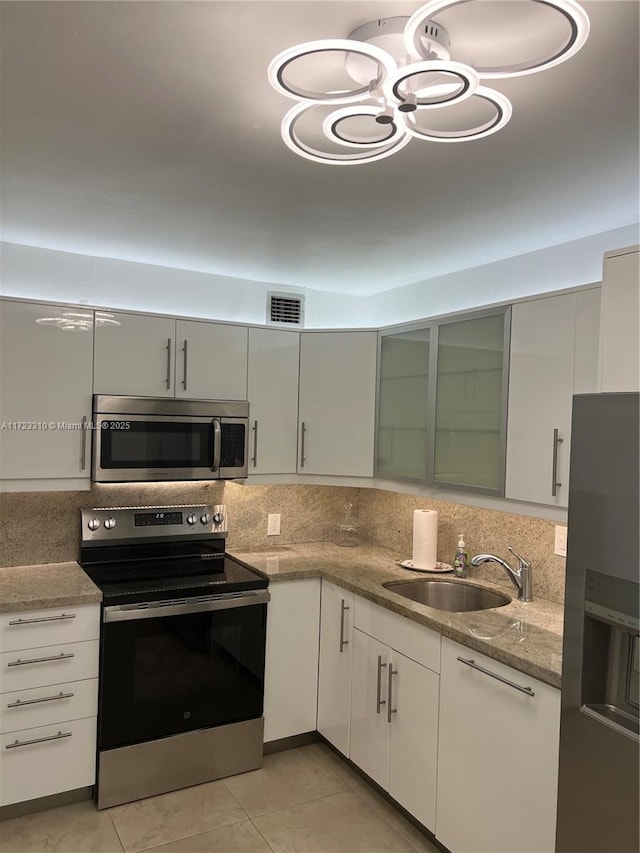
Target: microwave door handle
[(217, 444)]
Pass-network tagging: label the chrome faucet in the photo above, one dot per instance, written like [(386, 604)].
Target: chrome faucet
[(521, 576)]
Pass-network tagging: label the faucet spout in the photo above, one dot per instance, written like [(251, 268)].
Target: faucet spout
[(520, 577)]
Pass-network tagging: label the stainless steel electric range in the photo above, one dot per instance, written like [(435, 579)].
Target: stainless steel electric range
[(182, 650)]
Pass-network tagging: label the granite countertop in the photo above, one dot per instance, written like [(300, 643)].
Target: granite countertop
[(46, 585), (526, 636)]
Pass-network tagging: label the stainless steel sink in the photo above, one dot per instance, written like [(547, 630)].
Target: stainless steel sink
[(454, 596)]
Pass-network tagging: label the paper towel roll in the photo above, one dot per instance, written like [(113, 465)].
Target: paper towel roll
[(425, 538)]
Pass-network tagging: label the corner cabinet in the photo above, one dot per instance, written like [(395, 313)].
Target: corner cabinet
[(497, 756), (554, 354), (337, 403), (619, 350), (46, 357), (149, 356), (334, 670)]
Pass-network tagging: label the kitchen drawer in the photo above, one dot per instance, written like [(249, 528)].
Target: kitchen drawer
[(22, 670), (35, 628), (44, 706), (411, 639), (45, 763)]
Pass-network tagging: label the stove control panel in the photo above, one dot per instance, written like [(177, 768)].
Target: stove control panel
[(145, 522)]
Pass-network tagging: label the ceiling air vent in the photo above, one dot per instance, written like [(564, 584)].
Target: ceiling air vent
[(285, 309)]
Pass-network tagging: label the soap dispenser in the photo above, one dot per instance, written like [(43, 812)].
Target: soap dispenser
[(461, 559)]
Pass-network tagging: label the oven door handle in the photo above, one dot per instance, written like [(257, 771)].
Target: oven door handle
[(217, 444), (158, 609)]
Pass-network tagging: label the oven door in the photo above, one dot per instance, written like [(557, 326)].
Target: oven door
[(168, 667), (139, 448)]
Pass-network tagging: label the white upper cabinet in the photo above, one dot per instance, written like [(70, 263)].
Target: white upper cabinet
[(554, 345), (146, 356), (337, 403), (135, 358), (45, 395), (619, 351), (274, 357)]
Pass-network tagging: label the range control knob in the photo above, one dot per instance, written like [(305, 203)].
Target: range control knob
[(191, 519), (205, 518), (109, 523), (94, 523), (218, 518)]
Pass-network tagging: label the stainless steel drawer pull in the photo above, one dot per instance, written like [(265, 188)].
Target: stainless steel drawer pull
[(555, 485), (343, 642), (20, 702), (474, 665), (254, 458), (168, 348), (17, 743), (83, 451), (303, 432), (391, 710), (43, 619), (61, 656), (379, 700), (184, 372)]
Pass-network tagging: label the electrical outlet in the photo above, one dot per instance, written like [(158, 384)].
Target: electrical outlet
[(560, 544), (273, 524)]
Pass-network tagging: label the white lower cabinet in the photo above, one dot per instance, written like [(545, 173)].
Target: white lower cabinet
[(291, 666), (334, 670), (48, 701), (497, 757), (394, 708)]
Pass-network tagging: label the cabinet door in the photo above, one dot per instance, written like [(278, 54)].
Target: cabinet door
[(497, 758), (274, 359), (337, 403), (540, 391), (291, 666), (619, 352), (334, 673), (135, 356), (45, 377), (414, 738), (211, 361), (369, 732)]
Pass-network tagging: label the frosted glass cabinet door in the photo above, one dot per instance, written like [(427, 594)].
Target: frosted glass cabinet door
[(402, 405), (471, 402)]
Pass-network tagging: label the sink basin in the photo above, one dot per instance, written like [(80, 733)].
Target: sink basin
[(454, 596)]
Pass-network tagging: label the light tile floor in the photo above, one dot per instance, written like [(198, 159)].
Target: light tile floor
[(306, 800)]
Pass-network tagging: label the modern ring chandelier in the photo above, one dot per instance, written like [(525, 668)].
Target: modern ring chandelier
[(398, 75)]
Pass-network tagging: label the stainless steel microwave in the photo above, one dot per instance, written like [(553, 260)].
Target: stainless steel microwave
[(144, 439)]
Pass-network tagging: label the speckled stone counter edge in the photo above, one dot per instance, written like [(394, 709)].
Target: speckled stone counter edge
[(527, 637), (47, 585)]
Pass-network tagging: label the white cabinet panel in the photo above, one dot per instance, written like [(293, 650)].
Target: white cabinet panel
[(619, 352), (414, 738), (135, 358), (21, 670), (334, 672), (45, 377), (497, 758), (274, 358), (291, 668), (585, 379), (49, 627), (369, 738), (211, 361), (44, 706), (337, 403)]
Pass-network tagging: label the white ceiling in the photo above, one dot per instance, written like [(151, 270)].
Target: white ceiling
[(148, 131)]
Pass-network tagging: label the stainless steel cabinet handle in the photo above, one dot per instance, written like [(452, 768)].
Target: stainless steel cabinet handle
[(254, 458), (554, 474), (379, 700), (43, 619), (17, 743), (184, 370), (343, 642), (474, 665), (303, 431), (168, 379), (217, 443), (19, 703), (61, 656), (83, 451), (390, 710)]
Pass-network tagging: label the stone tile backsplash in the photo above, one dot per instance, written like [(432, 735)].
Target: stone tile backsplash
[(43, 527)]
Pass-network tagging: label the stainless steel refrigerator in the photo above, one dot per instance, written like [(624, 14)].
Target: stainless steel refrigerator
[(598, 792)]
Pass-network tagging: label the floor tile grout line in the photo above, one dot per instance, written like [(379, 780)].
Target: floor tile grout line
[(298, 802), (261, 834), (115, 829), (389, 824)]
